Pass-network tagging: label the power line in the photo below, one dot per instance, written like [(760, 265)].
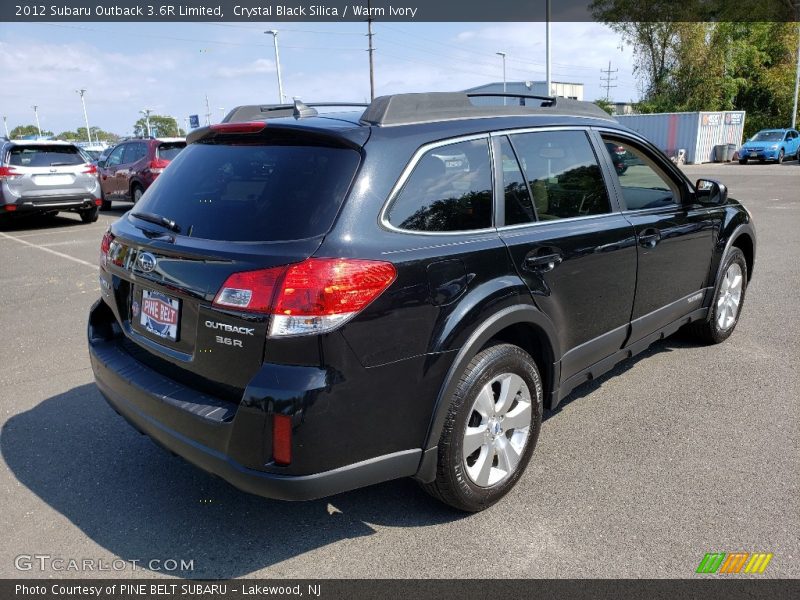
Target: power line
[(608, 79)]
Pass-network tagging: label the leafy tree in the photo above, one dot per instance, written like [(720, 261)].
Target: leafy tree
[(166, 126), (702, 65), (605, 105), (21, 131)]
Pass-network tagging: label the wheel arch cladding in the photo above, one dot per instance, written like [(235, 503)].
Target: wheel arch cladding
[(744, 242)]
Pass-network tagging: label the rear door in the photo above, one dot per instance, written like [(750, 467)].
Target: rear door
[(108, 173), (567, 239), (134, 152), (675, 237), (237, 208)]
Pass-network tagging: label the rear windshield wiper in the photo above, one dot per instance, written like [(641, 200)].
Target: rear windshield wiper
[(157, 220)]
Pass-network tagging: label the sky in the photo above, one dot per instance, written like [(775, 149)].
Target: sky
[(170, 67)]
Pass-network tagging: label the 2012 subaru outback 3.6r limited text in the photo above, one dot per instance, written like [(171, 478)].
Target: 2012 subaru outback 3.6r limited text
[(307, 303)]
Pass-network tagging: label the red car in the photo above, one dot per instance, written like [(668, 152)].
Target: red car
[(133, 165)]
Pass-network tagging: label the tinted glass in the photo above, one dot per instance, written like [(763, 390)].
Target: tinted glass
[(767, 136), (134, 152), (643, 184), (518, 203), (253, 193), (450, 189), (45, 156), (563, 174), (169, 151), (115, 158)]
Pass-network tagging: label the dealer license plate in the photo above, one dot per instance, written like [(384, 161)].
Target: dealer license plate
[(159, 314)]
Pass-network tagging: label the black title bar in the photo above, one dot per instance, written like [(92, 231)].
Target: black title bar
[(397, 10)]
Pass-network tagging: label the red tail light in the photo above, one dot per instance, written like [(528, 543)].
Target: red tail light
[(246, 127), (105, 246), (313, 296), (8, 173), (158, 165), (90, 170), (282, 439), (10, 207)]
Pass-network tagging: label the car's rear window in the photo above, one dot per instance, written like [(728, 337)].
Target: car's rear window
[(169, 150), (253, 192), (45, 156)]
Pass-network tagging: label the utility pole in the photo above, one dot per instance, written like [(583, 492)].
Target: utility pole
[(146, 112), (274, 33), (796, 80), (81, 92), (608, 79), (35, 108), (5, 124), (371, 51), (548, 83), (208, 113), (503, 56)]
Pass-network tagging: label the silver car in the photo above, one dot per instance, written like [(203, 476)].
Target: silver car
[(47, 177)]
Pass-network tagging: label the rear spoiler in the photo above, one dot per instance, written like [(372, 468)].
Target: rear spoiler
[(280, 133)]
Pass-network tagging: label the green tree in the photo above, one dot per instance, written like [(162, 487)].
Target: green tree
[(605, 105), (166, 126), (21, 131), (702, 65)]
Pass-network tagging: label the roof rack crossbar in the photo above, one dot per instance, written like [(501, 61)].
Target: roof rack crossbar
[(406, 109)]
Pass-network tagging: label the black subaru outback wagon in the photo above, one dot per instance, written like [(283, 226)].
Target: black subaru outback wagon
[(305, 303)]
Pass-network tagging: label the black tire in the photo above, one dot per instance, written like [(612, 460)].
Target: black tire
[(710, 331), (742, 161), (453, 485), (89, 215), (136, 193), (781, 156)]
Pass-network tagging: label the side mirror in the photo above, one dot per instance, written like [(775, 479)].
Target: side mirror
[(101, 163), (711, 191)]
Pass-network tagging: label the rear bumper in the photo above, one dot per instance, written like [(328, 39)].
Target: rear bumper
[(39, 203), (220, 437)]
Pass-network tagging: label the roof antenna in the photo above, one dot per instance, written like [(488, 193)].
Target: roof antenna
[(302, 111)]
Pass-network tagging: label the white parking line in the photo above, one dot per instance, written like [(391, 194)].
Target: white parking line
[(61, 254)]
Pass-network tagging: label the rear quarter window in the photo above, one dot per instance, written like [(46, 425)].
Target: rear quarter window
[(45, 156), (170, 150), (252, 192)]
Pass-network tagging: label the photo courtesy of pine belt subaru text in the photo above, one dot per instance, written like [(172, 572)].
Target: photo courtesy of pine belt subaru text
[(315, 298)]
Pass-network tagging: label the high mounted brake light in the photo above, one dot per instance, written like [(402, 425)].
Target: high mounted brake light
[(310, 297), (248, 127)]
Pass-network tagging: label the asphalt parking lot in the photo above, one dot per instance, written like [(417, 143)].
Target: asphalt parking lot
[(682, 451)]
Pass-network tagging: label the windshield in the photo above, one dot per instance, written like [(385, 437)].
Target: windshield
[(42, 155), (253, 193), (767, 136)]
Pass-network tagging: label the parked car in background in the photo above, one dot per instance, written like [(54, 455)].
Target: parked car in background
[(132, 166), (771, 144), (308, 303), (47, 177)]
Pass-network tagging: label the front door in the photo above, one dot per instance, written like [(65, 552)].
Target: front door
[(675, 237)]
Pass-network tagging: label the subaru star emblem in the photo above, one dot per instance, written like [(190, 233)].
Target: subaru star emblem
[(146, 262)]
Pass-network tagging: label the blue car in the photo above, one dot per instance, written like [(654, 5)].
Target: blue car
[(771, 144)]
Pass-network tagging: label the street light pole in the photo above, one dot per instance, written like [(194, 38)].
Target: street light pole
[(274, 33), (81, 92), (146, 112), (35, 108), (548, 83), (503, 56)]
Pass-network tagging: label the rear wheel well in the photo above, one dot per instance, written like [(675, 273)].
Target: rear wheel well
[(535, 342), (745, 243)]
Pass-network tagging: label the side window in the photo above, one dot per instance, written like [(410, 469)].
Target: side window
[(133, 152), (450, 189), (643, 183), (563, 173), (115, 158), (518, 203)]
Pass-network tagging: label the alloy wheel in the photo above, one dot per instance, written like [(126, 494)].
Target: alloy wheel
[(729, 297)]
